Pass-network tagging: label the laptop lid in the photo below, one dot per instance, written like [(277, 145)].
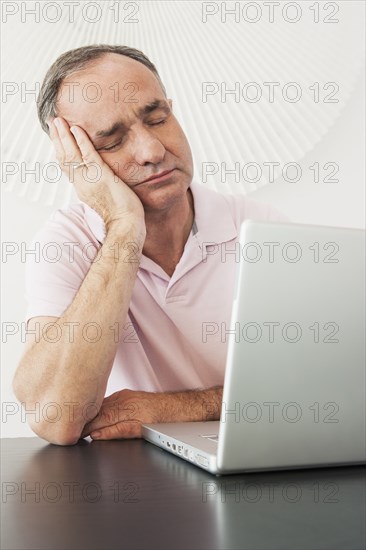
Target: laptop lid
[(294, 393)]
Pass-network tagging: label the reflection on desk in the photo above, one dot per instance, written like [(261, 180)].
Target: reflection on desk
[(133, 495)]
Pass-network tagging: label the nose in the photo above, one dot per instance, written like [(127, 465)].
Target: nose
[(147, 148)]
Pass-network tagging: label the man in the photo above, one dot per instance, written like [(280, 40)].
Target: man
[(134, 302)]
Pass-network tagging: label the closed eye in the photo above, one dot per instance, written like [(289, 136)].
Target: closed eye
[(157, 122), (111, 147)]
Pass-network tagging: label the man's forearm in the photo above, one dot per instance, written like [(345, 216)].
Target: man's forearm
[(191, 405), (76, 370), (123, 413)]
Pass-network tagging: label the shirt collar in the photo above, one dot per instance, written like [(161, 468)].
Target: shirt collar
[(213, 223), (213, 217)]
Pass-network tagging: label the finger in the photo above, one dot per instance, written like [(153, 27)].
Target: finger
[(97, 423), (71, 150), (121, 430), (94, 424), (111, 414), (87, 149), (107, 416), (59, 150)]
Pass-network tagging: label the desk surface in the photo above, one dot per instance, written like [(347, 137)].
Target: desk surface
[(132, 495)]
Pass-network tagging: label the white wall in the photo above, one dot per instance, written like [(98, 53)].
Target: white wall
[(338, 204), (189, 52)]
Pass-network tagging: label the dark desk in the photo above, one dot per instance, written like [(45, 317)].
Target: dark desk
[(132, 495)]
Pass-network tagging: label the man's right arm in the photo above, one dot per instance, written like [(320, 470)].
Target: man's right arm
[(73, 373)]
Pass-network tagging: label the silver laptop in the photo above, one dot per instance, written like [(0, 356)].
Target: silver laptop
[(294, 389)]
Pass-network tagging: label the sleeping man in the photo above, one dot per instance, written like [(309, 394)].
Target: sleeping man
[(129, 324)]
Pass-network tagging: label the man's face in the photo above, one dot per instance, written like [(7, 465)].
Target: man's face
[(120, 104)]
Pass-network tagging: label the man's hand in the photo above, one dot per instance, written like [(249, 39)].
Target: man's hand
[(123, 413), (95, 182)]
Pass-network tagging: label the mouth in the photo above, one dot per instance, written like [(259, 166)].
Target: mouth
[(158, 177)]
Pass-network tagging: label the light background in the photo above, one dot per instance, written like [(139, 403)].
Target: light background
[(189, 52)]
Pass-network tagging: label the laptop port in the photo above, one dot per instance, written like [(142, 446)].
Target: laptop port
[(186, 453), (174, 447), (202, 460)]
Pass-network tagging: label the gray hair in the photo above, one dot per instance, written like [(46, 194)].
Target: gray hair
[(76, 60)]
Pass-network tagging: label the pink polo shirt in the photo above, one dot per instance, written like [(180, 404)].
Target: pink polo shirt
[(174, 335)]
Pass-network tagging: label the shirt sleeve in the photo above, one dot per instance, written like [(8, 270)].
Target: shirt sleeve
[(58, 261)]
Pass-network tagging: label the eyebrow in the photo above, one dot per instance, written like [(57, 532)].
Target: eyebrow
[(141, 112)]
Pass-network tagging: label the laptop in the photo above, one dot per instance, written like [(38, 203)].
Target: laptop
[(294, 388)]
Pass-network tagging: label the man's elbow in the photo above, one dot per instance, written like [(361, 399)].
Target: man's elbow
[(57, 435), (58, 431)]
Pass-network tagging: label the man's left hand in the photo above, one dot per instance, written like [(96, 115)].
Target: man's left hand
[(122, 414)]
